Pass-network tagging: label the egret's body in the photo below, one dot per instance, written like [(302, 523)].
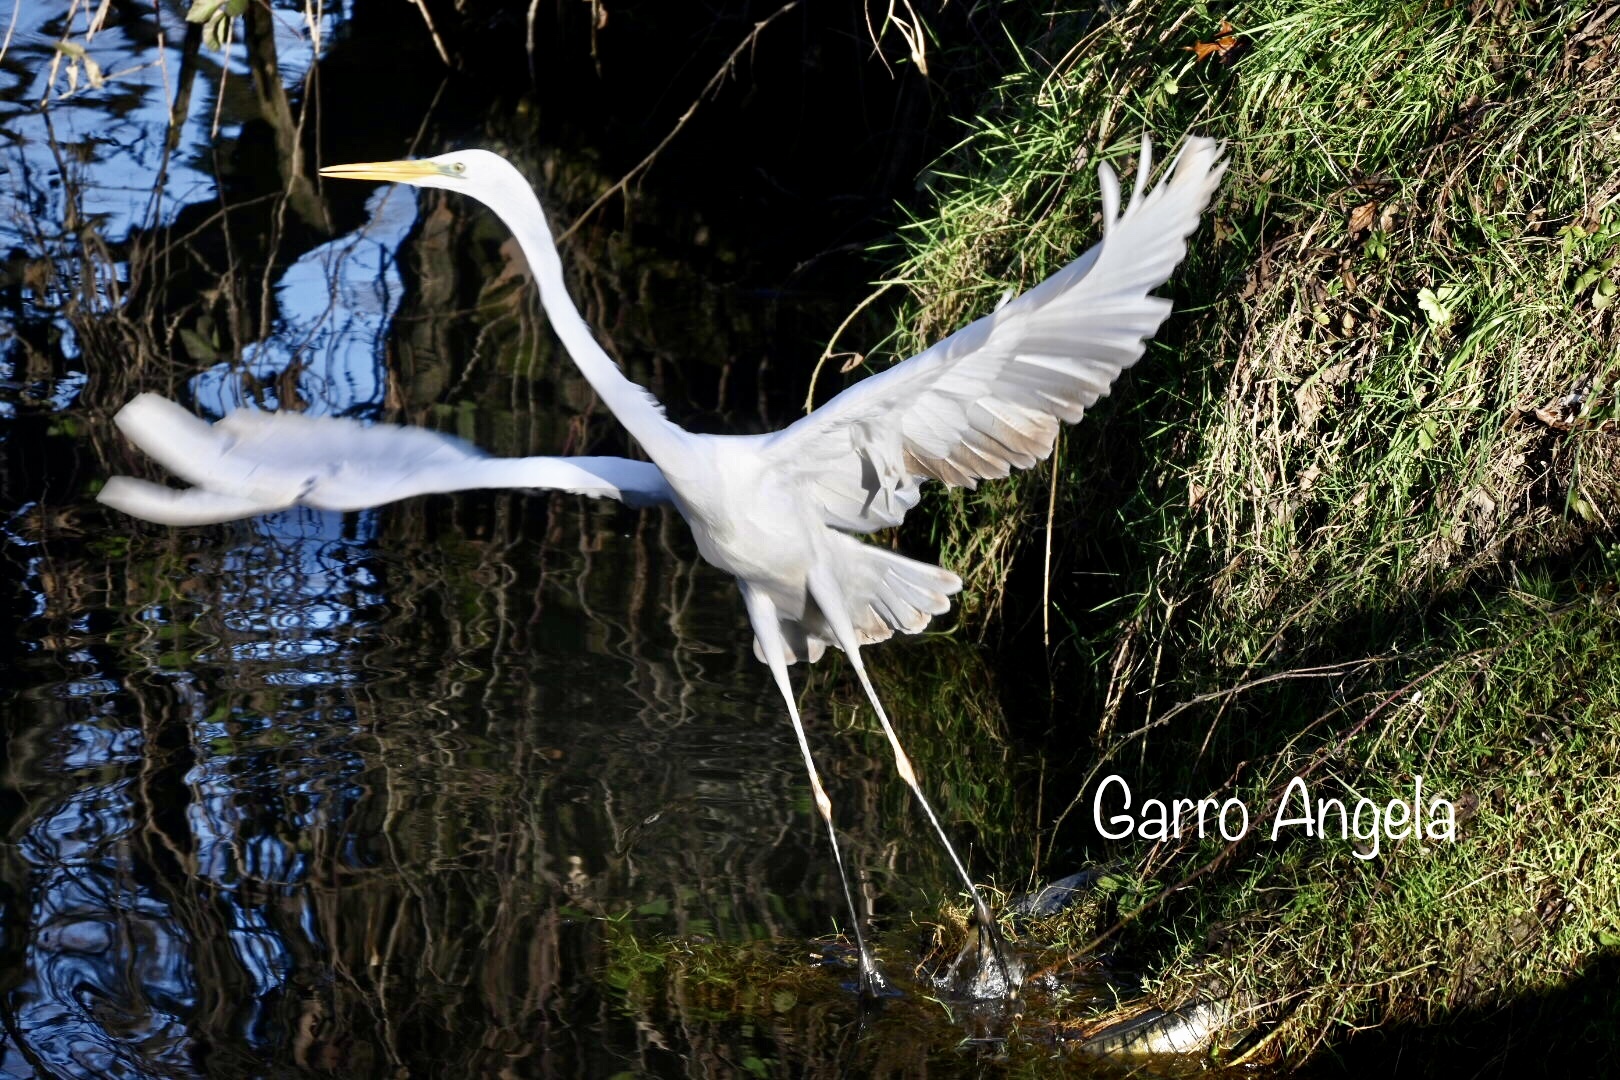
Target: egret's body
[(776, 511)]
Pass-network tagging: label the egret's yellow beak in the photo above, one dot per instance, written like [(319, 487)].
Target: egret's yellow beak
[(398, 172)]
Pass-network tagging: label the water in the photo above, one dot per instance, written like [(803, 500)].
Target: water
[(317, 780), (406, 792)]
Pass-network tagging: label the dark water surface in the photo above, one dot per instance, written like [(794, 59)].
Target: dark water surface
[(387, 793)]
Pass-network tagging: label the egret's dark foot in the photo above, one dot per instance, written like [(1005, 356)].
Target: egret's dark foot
[(869, 983), (987, 968), (1008, 965), (873, 986)]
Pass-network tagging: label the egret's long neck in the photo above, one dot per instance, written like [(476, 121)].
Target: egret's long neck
[(634, 406)]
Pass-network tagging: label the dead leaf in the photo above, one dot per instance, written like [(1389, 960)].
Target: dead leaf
[(1225, 45), (1553, 419), (1362, 217)]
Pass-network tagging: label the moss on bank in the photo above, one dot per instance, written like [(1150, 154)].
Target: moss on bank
[(1353, 516)]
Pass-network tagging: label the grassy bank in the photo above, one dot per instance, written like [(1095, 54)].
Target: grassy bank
[(1353, 517)]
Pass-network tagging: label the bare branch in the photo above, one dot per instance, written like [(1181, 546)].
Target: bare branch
[(708, 88)]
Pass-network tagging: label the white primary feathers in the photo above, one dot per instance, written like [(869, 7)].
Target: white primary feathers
[(253, 463)]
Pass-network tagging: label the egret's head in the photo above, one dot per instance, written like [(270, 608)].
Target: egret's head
[(470, 171)]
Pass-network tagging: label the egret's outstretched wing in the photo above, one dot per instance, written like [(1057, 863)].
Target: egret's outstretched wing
[(251, 463), (989, 398)]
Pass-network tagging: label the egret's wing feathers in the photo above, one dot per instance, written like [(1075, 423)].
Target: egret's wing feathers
[(251, 463), (179, 506), (989, 398)]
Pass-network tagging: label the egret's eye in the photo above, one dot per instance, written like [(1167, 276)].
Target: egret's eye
[(458, 167)]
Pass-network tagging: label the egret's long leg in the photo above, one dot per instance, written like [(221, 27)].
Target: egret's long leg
[(829, 599), (762, 614)]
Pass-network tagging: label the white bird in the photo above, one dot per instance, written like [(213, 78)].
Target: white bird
[(776, 511)]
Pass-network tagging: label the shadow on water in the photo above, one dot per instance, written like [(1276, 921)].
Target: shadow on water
[(385, 793)]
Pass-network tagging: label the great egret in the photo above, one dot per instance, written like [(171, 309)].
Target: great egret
[(776, 511)]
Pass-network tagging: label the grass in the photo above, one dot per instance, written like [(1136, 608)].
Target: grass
[(1506, 708), (1353, 515)]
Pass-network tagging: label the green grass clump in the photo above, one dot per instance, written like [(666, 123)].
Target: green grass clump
[(1507, 711), (1345, 508), (1397, 273)]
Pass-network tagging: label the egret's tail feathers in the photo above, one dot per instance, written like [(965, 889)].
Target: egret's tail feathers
[(883, 592), (886, 592)]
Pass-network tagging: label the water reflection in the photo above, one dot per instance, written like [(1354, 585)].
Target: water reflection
[(325, 786), (360, 794), (284, 801), (334, 307)]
